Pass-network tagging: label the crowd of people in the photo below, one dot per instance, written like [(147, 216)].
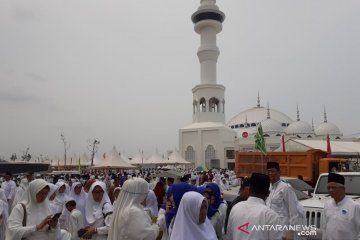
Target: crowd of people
[(138, 206)]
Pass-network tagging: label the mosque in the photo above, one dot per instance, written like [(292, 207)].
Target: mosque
[(209, 140)]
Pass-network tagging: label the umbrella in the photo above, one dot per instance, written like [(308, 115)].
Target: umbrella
[(201, 169)]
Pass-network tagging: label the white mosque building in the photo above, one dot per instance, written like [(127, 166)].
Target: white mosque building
[(208, 140)]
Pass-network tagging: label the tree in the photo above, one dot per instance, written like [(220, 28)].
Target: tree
[(26, 155), (13, 157), (93, 147), (66, 147)]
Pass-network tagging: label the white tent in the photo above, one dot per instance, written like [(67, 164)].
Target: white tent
[(156, 159), (113, 160), (138, 159), (338, 148), (176, 158)]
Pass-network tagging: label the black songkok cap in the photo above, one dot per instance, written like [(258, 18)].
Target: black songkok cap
[(334, 177), (260, 183), (275, 165)]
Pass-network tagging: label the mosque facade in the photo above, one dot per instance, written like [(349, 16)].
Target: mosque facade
[(210, 141)]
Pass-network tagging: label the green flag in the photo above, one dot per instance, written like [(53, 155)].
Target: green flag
[(259, 140)]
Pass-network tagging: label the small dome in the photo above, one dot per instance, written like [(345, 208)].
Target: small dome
[(299, 127), (270, 125), (327, 128)]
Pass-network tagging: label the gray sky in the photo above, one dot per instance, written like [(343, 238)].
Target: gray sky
[(122, 71)]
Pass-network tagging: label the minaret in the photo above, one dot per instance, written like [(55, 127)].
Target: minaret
[(208, 96)]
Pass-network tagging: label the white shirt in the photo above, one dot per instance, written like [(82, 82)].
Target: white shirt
[(341, 221), (75, 223), (284, 202), (247, 214), (9, 188)]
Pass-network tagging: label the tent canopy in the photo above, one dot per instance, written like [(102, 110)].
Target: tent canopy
[(176, 158), (113, 160)]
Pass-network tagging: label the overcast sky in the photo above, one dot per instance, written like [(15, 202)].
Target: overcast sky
[(122, 71)]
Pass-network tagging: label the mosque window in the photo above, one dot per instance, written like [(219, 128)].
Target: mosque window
[(190, 154), (242, 125), (337, 138), (195, 107), (253, 124), (278, 135), (202, 105), (214, 105), (298, 136), (266, 135), (309, 136), (232, 126), (209, 154), (283, 124), (237, 126)]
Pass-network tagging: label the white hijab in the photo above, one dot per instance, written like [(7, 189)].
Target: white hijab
[(36, 212), (186, 225), (80, 199), (93, 210), (152, 204), (133, 192)]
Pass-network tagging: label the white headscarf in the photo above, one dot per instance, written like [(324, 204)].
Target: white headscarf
[(36, 212), (186, 225), (53, 188), (93, 210), (152, 204), (80, 199), (129, 215)]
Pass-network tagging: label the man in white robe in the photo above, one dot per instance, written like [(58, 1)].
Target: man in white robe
[(9, 187), (282, 200), (341, 217), (247, 215)]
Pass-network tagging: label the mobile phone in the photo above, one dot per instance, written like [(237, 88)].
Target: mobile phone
[(56, 216), (81, 232)]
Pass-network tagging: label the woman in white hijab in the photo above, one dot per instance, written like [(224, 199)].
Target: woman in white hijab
[(39, 223), (79, 195), (98, 211), (51, 197), (4, 213), (130, 221), (152, 204), (59, 201), (191, 220)]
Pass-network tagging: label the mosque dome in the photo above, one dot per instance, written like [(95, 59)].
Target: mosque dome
[(272, 126), (327, 128), (299, 127), (255, 115)]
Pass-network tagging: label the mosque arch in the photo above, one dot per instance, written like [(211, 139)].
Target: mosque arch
[(209, 154), (202, 104), (190, 154), (214, 104)]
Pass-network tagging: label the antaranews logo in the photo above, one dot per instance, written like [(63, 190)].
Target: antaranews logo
[(302, 230), (244, 228)]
